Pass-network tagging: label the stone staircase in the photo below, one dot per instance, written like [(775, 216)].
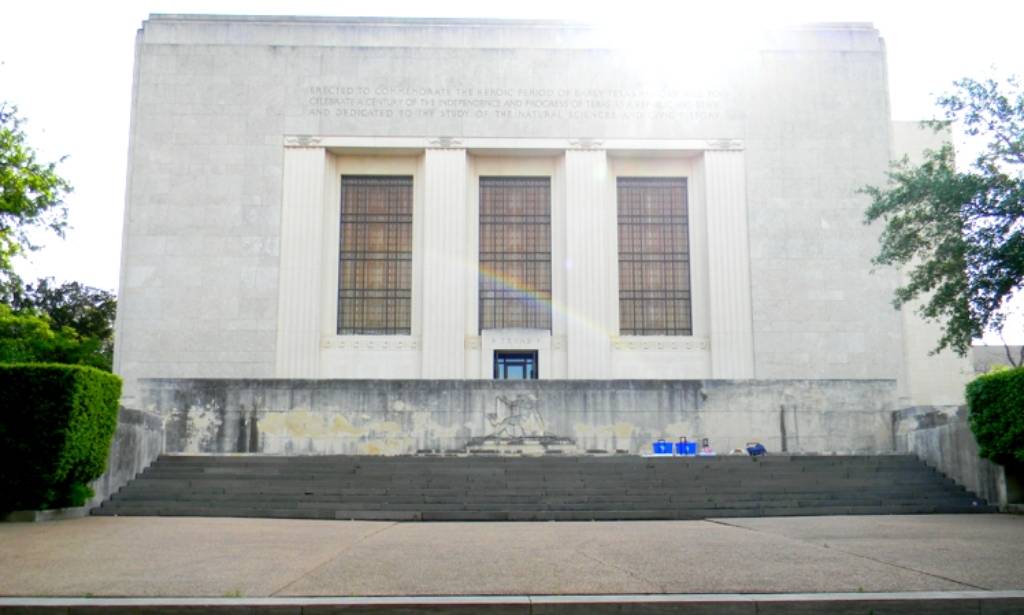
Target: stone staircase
[(538, 488)]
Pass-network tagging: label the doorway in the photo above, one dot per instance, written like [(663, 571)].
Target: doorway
[(515, 365)]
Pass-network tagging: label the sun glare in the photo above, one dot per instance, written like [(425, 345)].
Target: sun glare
[(677, 43)]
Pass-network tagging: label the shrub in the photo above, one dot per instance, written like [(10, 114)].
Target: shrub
[(996, 404), (56, 425)]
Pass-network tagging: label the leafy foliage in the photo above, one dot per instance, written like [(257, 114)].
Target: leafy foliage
[(88, 312), (56, 426), (31, 192), (56, 421), (30, 337), (960, 234), (996, 405)]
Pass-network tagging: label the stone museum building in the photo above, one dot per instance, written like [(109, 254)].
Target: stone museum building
[(365, 235)]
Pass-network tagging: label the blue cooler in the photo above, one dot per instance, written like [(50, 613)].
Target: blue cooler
[(662, 448), (686, 449)]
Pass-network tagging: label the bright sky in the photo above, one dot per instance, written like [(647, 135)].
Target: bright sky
[(67, 65)]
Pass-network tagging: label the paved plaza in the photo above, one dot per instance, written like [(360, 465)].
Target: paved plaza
[(222, 557)]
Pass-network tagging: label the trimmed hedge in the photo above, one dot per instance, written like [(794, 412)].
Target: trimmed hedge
[(996, 405), (56, 425)]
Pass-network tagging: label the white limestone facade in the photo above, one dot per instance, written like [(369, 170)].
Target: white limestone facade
[(242, 128)]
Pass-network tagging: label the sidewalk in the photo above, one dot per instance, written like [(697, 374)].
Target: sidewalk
[(204, 557)]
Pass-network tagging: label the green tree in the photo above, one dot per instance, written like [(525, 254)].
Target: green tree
[(67, 323), (88, 311), (80, 318), (30, 338), (960, 234), (31, 192)]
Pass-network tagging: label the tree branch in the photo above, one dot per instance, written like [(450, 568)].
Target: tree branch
[(1009, 357)]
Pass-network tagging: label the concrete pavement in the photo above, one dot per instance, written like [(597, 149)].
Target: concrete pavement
[(182, 557)]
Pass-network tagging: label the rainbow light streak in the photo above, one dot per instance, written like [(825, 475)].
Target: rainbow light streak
[(509, 283)]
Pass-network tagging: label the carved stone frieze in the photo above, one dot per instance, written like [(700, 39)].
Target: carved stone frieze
[(302, 141), (585, 143), (370, 343), (725, 144), (661, 343), (445, 143), (515, 341)]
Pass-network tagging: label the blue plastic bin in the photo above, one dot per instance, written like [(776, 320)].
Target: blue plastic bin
[(662, 448), (685, 448)]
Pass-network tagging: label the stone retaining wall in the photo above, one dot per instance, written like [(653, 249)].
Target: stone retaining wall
[(393, 417), (138, 441), (941, 436)]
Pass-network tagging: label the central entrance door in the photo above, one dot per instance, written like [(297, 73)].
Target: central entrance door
[(515, 365)]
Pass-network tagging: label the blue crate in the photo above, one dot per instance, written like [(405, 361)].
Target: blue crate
[(686, 449), (662, 448)]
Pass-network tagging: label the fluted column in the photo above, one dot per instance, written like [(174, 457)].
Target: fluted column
[(590, 263), (732, 339), (444, 263), (298, 303)]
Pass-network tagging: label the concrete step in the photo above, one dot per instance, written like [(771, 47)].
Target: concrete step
[(446, 514), (467, 466), (709, 604), (466, 474), (499, 488), (675, 498), (542, 504), (553, 489), (759, 489), (614, 479)]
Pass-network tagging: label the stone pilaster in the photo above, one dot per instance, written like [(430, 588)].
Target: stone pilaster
[(444, 264), (299, 297), (590, 260), (732, 340)]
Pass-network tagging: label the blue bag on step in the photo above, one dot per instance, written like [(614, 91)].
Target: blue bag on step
[(661, 447), (685, 448)]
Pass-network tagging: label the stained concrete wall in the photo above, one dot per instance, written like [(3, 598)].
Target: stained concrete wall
[(941, 437), (138, 441), (402, 417)]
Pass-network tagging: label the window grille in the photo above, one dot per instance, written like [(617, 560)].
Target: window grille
[(515, 253), (375, 260), (654, 257)]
